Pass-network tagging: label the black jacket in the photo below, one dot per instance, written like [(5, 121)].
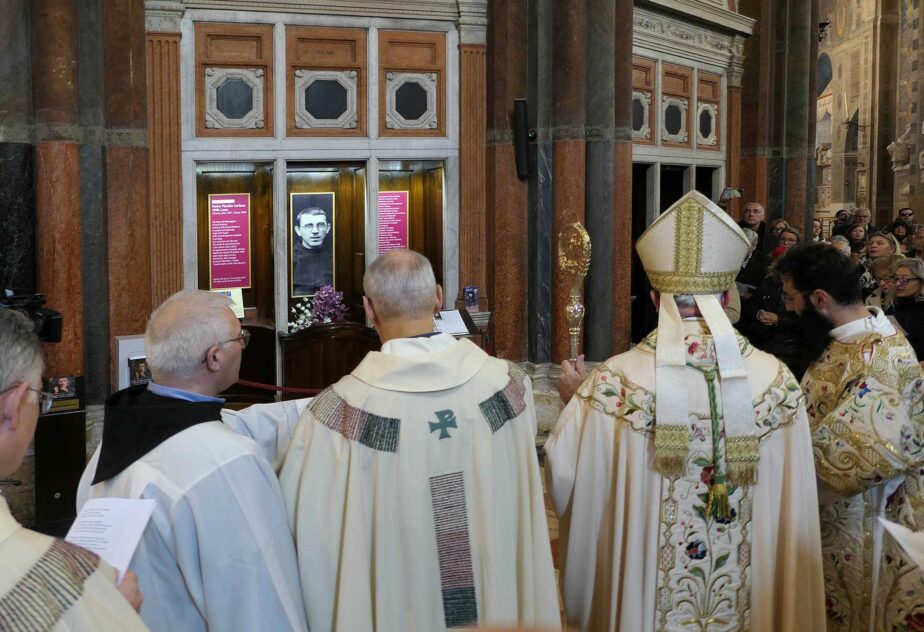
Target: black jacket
[(909, 313)]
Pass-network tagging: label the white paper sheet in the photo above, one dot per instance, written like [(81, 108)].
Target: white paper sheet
[(450, 322), (911, 541), (112, 528)]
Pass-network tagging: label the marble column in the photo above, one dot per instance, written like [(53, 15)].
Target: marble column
[(124, 43), (756, 92), (57, 177), (796, 69), (884, 102), (568, 147), (621, 325), (733, 141), (508, 224)]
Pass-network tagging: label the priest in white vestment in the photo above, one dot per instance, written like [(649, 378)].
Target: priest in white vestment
[(413, 485), (865, 393), (680, 469), (46, 583), (218, 553)]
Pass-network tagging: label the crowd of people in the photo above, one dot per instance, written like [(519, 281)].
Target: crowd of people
[(893, 279), (409, 495)]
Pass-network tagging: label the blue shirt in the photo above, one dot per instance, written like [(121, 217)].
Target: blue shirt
[(178, 393)]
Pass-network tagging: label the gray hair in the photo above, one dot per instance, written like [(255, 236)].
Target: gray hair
[(183, 328), (21, 358), (400, 285), (751, 235), (839, 239), (686, 301)]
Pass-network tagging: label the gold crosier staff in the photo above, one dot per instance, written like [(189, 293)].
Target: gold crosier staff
[(574, 258)]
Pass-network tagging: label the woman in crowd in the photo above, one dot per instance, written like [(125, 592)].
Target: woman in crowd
[(879, 245), (857, 232), (899, 229), (883, 272), (909, 302), (816, 231), (774, 228)]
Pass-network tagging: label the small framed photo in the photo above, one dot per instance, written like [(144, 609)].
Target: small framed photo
[(63, 387), (470, 294), (138, 370)]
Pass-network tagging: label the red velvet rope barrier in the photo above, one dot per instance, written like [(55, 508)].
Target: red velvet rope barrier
[(281, 389)]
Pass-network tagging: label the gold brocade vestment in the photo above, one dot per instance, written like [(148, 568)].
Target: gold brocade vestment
[(865, 399)]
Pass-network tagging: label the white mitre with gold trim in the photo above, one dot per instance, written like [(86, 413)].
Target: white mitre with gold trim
[(697, 248)]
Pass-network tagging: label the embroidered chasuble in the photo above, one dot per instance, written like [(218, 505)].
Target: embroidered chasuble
[(414, 492), (866, 405), (643, 551), (49, 584)]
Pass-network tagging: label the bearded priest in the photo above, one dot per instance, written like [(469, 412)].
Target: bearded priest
[(865, 395), (679, 468)]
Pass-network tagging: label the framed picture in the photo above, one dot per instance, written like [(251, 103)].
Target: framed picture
[(311, 254)]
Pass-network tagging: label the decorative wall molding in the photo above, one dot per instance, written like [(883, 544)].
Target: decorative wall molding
[(473, 21), (163, 16), (429, 81), (712, 12), (712, 139), (346, 78), (682, 136), (419, 9), (214, 78), (644, 98), (672, 34)]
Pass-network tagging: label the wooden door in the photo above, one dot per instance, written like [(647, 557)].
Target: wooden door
[(347, 184)]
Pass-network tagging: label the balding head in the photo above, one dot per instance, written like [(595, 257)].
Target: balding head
[(401, 286), (184, 328)]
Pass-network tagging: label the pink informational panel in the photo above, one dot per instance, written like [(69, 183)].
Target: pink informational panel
[(392, 220), (229, 241)]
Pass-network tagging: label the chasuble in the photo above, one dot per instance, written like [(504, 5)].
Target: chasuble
[(414, 492), (694, 550), (866, 404)]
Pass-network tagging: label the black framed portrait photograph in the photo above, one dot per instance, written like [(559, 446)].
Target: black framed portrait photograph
[(311, 255)]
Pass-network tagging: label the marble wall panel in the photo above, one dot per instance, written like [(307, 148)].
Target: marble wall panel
[(540, 253), (124, 55), (54, 63), (95, 272), (59, 255), (598, 319), (15, 72), (568, 195), (621, 326), (472, 137), (17, 208), (129, 243)]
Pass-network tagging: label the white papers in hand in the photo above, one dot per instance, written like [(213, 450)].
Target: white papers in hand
[(911, 541), (112, 528)]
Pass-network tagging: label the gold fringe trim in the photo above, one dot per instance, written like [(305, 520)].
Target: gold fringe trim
[(717, 505), (742, 455), (672, 443)]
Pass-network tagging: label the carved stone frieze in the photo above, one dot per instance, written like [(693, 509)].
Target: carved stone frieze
[(676, 35)]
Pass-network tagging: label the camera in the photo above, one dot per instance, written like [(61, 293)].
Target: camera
[(46, 322)]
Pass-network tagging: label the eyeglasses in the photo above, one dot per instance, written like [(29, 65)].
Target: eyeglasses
[(787, 240), (45, 399), (906, 214), (905, 280), (244, 337), (788, 300)]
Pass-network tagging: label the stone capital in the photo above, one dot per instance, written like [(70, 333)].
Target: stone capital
[(163, 16), (473, 22)]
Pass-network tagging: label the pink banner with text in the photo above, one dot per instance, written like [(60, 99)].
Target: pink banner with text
[(392, 220), (229, 241)]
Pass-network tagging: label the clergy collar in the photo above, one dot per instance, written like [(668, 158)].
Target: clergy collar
[(421, 365), (876, 322)]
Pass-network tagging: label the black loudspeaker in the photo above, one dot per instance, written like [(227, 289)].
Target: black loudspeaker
[(521, 137)]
